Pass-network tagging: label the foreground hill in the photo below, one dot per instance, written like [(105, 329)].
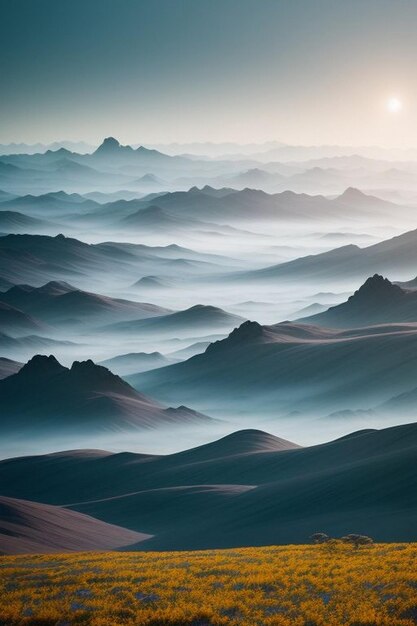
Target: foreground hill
[(377, 301), (45, 397), (289, 366), (30, 527), (248, 488)]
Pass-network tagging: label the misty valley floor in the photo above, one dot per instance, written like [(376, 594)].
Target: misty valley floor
[(273, 586)]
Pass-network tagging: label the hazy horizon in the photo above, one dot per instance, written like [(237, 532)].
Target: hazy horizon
[(160, 72)]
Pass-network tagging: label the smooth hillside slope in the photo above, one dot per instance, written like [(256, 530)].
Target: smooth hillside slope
[(397, 255), (289, 366), (245, 489), (30, 527)]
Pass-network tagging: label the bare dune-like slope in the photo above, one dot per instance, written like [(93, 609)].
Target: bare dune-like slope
[(31, 527), (248, 488)]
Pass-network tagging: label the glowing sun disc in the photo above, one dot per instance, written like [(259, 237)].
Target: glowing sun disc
[(394, 105)]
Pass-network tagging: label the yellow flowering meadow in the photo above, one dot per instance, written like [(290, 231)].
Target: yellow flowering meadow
[(271, 586)]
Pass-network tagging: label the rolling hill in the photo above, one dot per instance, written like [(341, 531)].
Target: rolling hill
[(395, 255), (17, 322), (277, 369), (15, 222), (58, 302), (248, 488), (37, 259), (197, 317), (135, 362), (54, 203)]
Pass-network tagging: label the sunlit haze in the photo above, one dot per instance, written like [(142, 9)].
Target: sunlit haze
[(154, 71)]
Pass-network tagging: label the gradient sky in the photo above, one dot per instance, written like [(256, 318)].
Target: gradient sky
[(299, 71)]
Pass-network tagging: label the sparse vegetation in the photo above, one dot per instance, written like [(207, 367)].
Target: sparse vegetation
[(272, 586), (320, 538), (358, 540), (353, 539)]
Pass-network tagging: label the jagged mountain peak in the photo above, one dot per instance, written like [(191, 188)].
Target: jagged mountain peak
[(244, 333), (41, 365), (109, 144), (352, 193), (377, 286)]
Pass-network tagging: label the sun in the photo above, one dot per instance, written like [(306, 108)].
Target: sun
[(394, 105)]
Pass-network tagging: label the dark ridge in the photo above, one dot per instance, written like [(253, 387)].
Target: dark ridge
[(109, 144), (41, 366), (377, 288), (245, 333)]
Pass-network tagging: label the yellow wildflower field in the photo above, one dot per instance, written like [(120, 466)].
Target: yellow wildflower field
[(270, 586)]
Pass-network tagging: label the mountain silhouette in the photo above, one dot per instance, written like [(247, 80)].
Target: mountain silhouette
[(273, 369), (45, 396), (377, 301)]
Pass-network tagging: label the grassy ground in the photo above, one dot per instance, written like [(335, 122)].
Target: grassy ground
[(280, 586)]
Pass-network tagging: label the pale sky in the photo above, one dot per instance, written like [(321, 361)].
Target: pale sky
[(156, 71)]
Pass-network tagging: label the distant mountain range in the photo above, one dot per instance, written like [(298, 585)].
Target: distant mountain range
[(184, 211), (276, 168), (254, 205), (111, 165), (33, 148), (52, 203), (249, 488), (46, 398)]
